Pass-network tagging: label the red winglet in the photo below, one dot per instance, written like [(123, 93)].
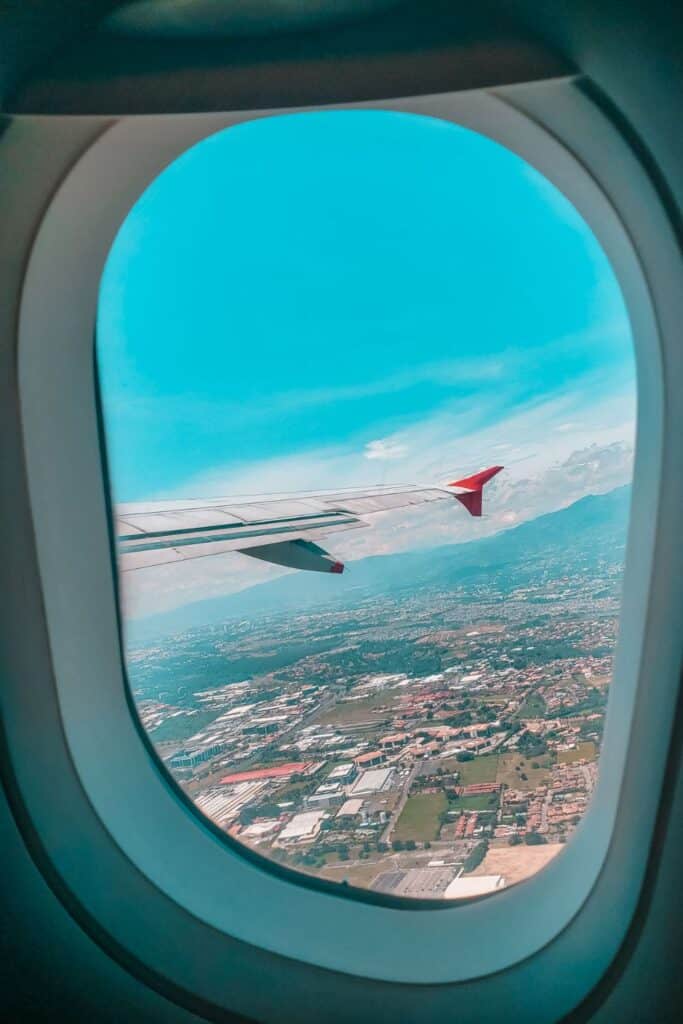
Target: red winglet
[(477, 480), (474, 484), (471, 501)]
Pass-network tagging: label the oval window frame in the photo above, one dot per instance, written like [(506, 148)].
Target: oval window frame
[(71, 531)]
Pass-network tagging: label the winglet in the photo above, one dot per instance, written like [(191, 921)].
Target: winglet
[(474, 486)]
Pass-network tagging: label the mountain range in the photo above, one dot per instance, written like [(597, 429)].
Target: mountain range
[(584, 533)]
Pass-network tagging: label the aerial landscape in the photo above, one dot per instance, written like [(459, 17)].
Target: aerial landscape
[(426, 733), (370, 427)]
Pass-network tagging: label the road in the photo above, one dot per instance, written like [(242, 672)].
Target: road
[(588, 779), (544, 812), (396, 813)]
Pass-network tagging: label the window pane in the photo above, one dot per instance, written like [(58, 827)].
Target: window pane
[(369, 398)]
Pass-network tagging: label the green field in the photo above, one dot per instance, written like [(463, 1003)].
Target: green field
[(508, 763), (482, 769), (583, 751), (533, 707), (294, 790), (480, 802), (420, 817), (361, 874), (355, 711), (181, 727)]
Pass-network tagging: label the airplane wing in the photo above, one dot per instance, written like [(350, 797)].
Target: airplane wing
[(278, 529)]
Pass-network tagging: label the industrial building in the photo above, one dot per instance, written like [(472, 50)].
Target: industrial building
[(303, 828), (473, 885), (377, 780), (326, 795)]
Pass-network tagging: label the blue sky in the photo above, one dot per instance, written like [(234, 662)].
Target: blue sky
[(341, 297)]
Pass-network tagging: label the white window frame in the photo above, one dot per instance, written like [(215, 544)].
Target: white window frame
[(579, 907)]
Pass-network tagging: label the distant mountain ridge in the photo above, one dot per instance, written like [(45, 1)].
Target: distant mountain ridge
[(590, 529)]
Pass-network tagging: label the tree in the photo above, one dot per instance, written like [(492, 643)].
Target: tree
[(410, 844), (344, 854), (465, 755), (514, 840), (427, 845), (397, 844), (476, 856), (247, 814), (534, 839)]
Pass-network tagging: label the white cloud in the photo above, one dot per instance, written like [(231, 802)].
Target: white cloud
[(545, 470), (563, 428), (384, 448)]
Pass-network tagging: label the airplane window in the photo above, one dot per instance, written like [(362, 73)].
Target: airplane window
[(369, 398)]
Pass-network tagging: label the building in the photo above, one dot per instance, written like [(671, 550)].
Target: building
[(478, 789), (277, 771), (343, 772), (375, 811), (260, 830), (224, 805), (395, 741), (372, 757), (376, 780), (326, 795), (350, 808), (303, 828), (191, 757), (266, 724), (473, 885), (431, 882)]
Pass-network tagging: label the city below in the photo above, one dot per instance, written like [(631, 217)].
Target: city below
[(439, 739)]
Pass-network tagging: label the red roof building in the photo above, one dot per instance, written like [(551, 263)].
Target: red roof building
[(278, 771)]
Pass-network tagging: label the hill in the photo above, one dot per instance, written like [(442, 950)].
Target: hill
[(590, 530)]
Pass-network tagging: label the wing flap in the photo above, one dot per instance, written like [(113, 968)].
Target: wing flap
[(141, 552), (297, 554)]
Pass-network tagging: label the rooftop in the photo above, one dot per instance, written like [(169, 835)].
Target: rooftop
[(350, 807), (371, 781), (476, 885), (303, 826), (278, 771)]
